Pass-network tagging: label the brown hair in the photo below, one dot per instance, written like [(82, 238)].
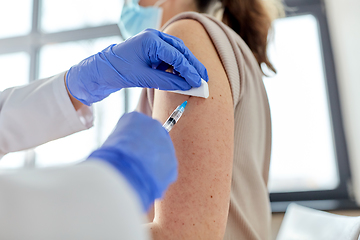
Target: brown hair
[(252, 20)]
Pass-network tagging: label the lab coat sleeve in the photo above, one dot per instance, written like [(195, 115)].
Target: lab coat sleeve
[(39, 112), (86, 201)]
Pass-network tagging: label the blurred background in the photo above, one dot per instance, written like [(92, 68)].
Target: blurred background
[(314, 98)]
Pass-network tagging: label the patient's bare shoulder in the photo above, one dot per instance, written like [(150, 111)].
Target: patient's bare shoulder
[(196, 206), (194, 36)]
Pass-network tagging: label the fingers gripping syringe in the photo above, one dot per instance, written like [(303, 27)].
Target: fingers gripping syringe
[(174, 117)]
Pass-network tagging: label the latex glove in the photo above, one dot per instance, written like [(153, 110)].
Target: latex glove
[(133, 63), (142, 151)]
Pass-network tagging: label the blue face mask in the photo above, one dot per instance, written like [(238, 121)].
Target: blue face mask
[(135, 18)]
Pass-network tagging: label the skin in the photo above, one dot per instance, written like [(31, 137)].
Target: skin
[(196, 206), (76, 103)]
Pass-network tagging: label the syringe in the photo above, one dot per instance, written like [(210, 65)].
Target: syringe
[(174, 117)]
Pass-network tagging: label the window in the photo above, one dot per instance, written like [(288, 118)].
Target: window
[(309, 162), (302, 133), (19, 17), (48, 37), (57, 16)]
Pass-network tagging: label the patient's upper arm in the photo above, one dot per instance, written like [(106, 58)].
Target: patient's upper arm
[(196, 206)]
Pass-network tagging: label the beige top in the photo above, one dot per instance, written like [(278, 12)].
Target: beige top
[(249, 212)]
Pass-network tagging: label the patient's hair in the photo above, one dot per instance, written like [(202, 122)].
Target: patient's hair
[(252, 20)]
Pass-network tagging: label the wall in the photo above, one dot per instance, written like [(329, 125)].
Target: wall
[(344, 23)]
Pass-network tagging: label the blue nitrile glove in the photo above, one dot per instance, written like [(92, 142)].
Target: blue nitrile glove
[(142, 151), (133, 63)]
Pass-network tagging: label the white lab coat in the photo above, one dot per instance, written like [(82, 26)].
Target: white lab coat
[(86, 201)]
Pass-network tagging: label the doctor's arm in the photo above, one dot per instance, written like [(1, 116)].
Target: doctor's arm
[(101, 198), (38, 112), (49, 109), (87, 201)]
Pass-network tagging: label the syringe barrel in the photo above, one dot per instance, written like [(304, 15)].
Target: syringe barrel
[(174, 117)]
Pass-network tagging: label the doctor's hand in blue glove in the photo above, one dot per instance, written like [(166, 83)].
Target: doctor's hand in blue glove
[(142, 151), (137, 62)]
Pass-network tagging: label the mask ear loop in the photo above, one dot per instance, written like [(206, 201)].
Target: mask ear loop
[(159, 2), (157, 5)]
